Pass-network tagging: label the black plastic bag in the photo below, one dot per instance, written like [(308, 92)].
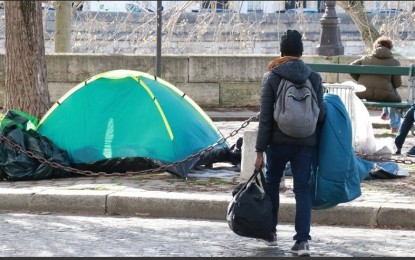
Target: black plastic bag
[(249, 214), (15, 165)]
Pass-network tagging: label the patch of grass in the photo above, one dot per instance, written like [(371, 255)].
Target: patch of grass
[(87, 188), (98, 188), (410, 168), (385, 134), (139, 178), (201, 182), (211, 182), (116, 181), (221, 181)]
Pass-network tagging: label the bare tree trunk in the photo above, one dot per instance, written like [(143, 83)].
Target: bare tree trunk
[(63, 26), (26, 86), (356, 10)]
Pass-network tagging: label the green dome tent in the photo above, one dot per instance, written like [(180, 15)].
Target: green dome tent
[(128, 120)]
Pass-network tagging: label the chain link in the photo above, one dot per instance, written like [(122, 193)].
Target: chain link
[(380, 158), (88, 173)]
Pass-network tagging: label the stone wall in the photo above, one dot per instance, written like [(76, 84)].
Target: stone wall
[(210, 80)]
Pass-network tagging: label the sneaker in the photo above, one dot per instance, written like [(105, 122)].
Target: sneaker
[(411, 152), (394, 130), (272, 241), (384, 116), (209, 165), (301, 249)]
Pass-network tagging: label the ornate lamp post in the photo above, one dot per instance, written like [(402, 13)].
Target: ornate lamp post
[(330, 41), (159, 27)]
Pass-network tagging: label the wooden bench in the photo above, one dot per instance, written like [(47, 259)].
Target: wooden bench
[(372, 69)]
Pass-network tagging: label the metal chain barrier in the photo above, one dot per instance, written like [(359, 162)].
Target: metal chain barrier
[(380, 158), (88, 173), (42, 160)]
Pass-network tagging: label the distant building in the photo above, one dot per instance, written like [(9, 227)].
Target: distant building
[(105, 6), (238, 6)]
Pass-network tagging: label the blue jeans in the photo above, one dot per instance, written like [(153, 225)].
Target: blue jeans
[(300, 158), (408, 121), (395, 117)]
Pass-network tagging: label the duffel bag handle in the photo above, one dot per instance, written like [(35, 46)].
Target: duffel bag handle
[(253, 176)]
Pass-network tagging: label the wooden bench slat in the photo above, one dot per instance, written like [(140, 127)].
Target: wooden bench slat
[(362, 69), (387, 104)]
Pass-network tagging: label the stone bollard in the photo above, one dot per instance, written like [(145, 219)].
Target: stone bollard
[(249, 155)]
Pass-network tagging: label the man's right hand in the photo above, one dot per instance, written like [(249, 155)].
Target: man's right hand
[(259, 162)]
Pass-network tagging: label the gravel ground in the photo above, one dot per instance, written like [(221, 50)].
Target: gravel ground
[(405, 184)]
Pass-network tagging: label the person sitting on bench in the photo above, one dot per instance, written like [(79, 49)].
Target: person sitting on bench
[(381, 88)]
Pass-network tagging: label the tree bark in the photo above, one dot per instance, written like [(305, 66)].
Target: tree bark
[(356, 10), (26, 86), (63, 26)]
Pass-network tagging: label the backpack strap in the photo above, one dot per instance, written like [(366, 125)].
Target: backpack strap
[(279, 88)]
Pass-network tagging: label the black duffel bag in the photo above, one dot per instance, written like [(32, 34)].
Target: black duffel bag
[(249, 213)]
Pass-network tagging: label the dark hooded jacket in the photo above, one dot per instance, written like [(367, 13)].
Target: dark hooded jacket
[(380, 88), (268, 131)]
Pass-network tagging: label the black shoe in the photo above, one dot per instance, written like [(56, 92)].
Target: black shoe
[(272, 240), (398, 152), (411, 151), (209, 165)]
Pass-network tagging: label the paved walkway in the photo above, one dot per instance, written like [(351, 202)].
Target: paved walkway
[(205, 194), (60, 235)]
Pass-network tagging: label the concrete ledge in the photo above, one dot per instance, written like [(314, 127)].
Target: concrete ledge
[(80, 201), (193, 205), (163, 204), (339, 215), (12, 199), (396, 216), (346, 215)]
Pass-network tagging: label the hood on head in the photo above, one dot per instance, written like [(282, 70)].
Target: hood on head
[(295, 70), (382, 53)]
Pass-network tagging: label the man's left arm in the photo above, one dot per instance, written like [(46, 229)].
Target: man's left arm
[(316, 79)]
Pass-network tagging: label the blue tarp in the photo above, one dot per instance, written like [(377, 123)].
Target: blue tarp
[(337, 172), (386, 170)]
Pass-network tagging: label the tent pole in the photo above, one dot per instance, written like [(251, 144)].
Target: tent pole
[(158, 54)]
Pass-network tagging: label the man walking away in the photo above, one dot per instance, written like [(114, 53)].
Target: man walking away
[(280, 147)]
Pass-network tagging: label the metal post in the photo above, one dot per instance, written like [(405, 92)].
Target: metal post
[(330, 41), (158, 54), (411, 83)]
